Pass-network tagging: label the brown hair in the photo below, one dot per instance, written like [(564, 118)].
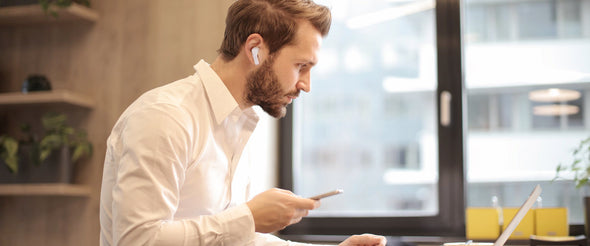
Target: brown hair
[(274, 20)]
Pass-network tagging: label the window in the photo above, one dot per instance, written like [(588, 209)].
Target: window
[(372, 127), (519, 129)]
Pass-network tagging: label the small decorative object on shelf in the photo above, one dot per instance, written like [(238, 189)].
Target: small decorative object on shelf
[(46, 159), (36, 82)]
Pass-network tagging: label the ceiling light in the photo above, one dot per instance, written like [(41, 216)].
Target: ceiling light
[(553, 95), (555, 110)]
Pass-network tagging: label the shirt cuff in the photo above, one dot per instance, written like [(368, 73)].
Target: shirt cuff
[(240, 227)]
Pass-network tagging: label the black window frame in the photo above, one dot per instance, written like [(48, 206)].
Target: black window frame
[(450, 221)]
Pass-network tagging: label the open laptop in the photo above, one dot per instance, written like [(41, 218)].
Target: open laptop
[(526, 206), (501, 240)]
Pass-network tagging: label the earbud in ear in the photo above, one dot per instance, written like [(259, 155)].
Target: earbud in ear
[(255, 55)]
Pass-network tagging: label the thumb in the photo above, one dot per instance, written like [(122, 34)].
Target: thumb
[(305, 203)]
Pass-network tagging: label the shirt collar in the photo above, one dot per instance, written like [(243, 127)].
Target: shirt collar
[(222, 102)]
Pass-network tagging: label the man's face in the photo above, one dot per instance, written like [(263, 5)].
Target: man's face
[(265, 90), (281, 76)]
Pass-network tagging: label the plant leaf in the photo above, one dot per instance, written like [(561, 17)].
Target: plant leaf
[(8, 152), (44, 154), (79, 151), (11, 146), (12, 163), (52, 141), (581, 182), (53, 121)]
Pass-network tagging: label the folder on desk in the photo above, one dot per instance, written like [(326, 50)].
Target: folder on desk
[(482, 223), (525, 229), (551, 222)]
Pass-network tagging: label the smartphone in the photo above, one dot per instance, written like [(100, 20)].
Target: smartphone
[(327, 194)]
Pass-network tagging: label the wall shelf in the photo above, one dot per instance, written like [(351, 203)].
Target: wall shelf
[(31, 14), (46, 97), (44, 190)]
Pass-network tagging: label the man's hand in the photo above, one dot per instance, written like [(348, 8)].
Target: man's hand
[(364, 240), (276, 209)]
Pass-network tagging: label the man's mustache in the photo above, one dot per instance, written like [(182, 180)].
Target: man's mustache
[(294, 94)]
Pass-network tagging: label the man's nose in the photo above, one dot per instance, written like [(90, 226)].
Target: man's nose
[(304, 83)]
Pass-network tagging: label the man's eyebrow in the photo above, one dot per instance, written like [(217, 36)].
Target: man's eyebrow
[(307, 61)]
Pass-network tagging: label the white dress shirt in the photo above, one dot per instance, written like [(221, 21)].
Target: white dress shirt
[(171, 173)]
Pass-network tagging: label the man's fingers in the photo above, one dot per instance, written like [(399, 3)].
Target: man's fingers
[(276, 208), (301, 212), (305, 203), (283, 191), (376, 240), (295, 220), (316, 204), (300, 203), (298, 215), (367, 239)]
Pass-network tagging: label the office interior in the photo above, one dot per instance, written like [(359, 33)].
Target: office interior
[(430, 107)]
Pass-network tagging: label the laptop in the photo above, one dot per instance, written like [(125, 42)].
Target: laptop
[(501, 240)]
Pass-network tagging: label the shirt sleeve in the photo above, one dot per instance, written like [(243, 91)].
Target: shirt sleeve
[(151, 169)]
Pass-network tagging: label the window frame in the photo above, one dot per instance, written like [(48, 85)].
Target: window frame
[(450, 221)]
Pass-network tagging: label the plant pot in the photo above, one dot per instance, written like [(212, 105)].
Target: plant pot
[(57, 168)]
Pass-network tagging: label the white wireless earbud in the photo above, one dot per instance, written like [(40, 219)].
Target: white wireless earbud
[(255, 55)]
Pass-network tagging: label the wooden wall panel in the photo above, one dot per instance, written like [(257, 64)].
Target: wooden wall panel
[(136, 45)]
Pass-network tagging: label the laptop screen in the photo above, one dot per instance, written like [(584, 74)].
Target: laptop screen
[(526, 206)]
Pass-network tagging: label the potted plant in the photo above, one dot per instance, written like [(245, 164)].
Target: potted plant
[(579, 167), (48, 158)]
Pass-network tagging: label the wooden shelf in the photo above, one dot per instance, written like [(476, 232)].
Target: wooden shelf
[(46, 97), (30, 14), (44, 190)]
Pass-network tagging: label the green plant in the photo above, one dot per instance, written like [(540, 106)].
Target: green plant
[(8, 152), (580, 165), (46, 5), (57, 134)]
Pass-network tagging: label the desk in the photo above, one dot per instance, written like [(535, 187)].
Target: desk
[(430, 241), (393, 241)]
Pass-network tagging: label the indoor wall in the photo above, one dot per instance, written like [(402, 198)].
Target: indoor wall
[(135, 45)]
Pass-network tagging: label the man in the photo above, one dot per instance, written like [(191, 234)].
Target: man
[(170, 169)]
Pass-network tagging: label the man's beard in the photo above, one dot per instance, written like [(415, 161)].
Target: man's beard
[(263, 89)]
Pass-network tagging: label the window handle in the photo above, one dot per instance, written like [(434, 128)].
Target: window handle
[(445, 108)]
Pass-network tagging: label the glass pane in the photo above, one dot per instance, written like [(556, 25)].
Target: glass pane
[(370, 122), (521, 59)]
